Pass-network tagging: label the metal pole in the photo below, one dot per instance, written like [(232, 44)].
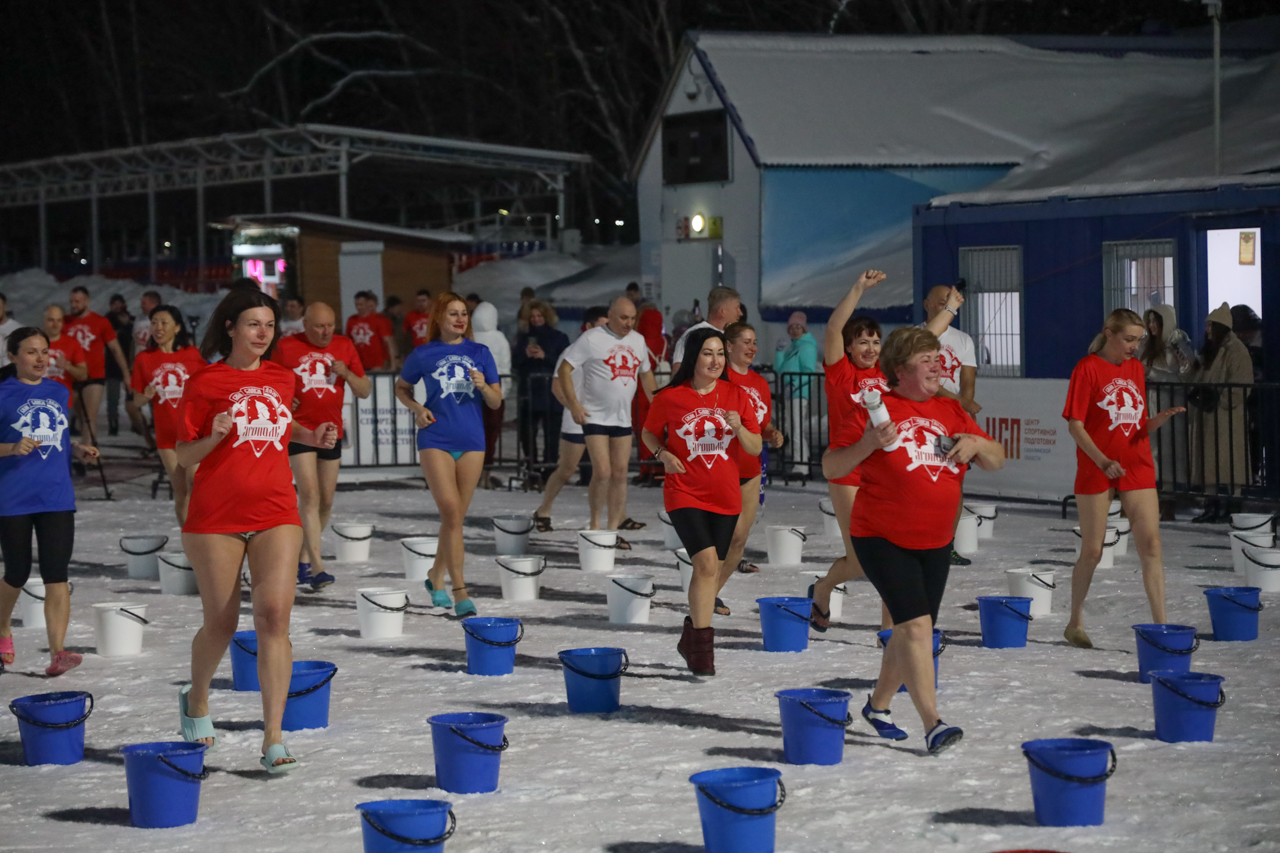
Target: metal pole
[(344, 165), (1217, 88), (560, 205), (200, 235), (266, 182), (44, 231), (151, 223), (95, 244)]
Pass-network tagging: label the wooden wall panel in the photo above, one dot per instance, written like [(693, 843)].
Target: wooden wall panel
[(318, 269)]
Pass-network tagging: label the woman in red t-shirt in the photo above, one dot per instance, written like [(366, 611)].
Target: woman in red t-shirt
[(901, 526), (741, 338), (1105, 412), (160, 374), (67, 359), (695, 428), (236, 425)]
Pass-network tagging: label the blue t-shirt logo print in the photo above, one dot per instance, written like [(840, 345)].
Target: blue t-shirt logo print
[(42, 421), (454, 375)]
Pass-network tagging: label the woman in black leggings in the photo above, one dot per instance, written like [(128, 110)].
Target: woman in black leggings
[(35, 490)]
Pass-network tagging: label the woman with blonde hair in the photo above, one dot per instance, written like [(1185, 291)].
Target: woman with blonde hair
[(1106, 416)]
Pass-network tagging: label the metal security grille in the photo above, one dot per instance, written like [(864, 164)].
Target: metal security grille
[(1138, 275), (992, 312)]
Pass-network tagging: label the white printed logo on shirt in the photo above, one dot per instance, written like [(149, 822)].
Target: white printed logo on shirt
[(758, 403), (623, 362), (52, 370), (83, 335), (261, 418), (919, 436), (420, 328), (865, 385), (454, 375), (42, 421), (362, 334), (169, 380), (1124, 404), (706, 434), (314, 371)]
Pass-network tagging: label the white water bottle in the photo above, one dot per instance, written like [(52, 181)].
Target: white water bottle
[(877, 413)]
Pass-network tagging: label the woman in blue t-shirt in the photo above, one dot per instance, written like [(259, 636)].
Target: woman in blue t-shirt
[(35, 490), (458, 374)]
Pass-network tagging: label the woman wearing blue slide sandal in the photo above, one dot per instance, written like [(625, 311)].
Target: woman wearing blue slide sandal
[(460, 377)]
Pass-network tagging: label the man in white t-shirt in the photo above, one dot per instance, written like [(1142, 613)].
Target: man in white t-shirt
[(958, 357), (724, 306), (293, 322), (7, 325), (614, 361), (142, 323), (572, 442)]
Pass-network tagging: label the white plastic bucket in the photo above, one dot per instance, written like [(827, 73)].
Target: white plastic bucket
[(1263, 568), (670, 539), (966, 541), (511, 534), (1240, 541), (1122, 530), (596, 550), (1113, 512), (685, 565), (830, 524), (1251, 522), (380, 610), (30, 607), (521, 577), (1109, 541), (419, 556), (987, 515), (118, 628), (176, 575), (353, 541), (1033, 584), (140, 553), (629, 597), (837, 595), (786, 544)]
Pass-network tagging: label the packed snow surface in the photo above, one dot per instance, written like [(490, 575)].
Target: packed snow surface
[(619, 782)]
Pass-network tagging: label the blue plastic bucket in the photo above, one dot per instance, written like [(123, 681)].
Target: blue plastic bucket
[(164, 782), (1164, 647), (52, 726), (1186, 704), (491, 644), (1069, 780), (401, 826), (593, 679), (1234, 610), (939, 646), (1004, 620), (308, 704), (244, 661), (468, 749), (785, 623), (813, 723), (737, 806)]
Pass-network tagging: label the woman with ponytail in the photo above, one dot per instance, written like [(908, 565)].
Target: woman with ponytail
[(1106, 416)]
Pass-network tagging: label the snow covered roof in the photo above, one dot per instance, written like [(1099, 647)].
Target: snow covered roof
[(355, 227), (1122, 188)]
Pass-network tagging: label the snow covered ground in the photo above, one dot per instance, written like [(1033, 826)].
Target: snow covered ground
[(619, 782)]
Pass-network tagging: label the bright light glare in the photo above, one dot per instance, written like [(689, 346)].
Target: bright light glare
[(618, 222), (697, 223)]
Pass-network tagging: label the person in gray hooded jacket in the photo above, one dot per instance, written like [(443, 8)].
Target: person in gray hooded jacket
[(484, 325)]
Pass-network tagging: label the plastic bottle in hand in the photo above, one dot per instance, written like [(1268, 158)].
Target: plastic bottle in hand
[(878, 414)]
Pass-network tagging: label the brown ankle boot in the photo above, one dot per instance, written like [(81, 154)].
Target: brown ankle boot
[(697, 647)]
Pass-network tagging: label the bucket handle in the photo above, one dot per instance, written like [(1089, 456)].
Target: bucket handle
[(633, 592), (144, 553), (1244, 551), (1258, 526), (801, 617), (1046, 584), (845, 723), (680, 559), (823, 510), (782, 798), (242, 647), (942, 645), (1238, 603), (415, 842), (519, 636), (799, 533), (144, 620), (198, 777), (71, 587), (402, 608), (583, 535), (1083, 780), (497, 526), (1195, 645), (665, 519), (313, 688), (418, 553), (981, 517), (480, 743), (1105, 543), (1222, 694), (13, 707), (1024, 616), (176, 566), (342, 535), (523, 574), (626, 662)]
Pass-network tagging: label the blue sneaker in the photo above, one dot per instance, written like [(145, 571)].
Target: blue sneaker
[(439, 598), (882, 722), (321, 579), (942, 736), (304, 574)]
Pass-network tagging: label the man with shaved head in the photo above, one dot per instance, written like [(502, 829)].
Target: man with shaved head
[(614, 361), (321, 362)]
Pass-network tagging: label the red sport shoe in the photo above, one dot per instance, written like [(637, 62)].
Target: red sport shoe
[(62, 662)]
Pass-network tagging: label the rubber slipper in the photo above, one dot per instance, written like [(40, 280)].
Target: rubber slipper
[(722, 608), (747, 568), (274, 753), (439, 598), (464, 608), (62, 662), (542, 523), (816, 614), (194, 729), (6, 648), (631, 524), (622, 544)]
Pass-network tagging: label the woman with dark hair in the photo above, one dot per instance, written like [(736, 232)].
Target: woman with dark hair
[(160, 374), (534, 354), (696, 428), (902, 521), (236, 425), (36, 494), (460, 376)]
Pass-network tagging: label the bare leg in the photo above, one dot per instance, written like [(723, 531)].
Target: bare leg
[(844, 568), (750, 505), (216, 559), (327, 477), (8, 599), (1092, 510), (304, 476), (908, 659), (619, 458), (273, 556), (452, 485), (703, 587), (1142, 508), (570, 456), (184, 482), (92, 397), (601, 476), (57, 614), (169, 459)]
